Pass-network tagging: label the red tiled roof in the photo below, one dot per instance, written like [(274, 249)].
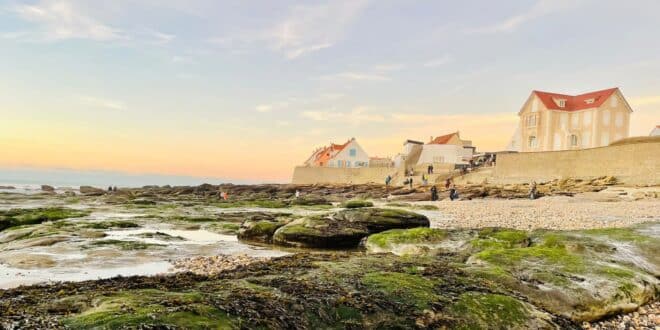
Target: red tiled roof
[(443, 139), (575, 102), (327, 152)]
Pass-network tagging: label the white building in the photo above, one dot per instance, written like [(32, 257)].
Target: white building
[(655, 131), (445, 149), (347, 155)]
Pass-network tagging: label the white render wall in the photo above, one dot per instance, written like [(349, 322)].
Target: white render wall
[(344, 157), (449, 153)]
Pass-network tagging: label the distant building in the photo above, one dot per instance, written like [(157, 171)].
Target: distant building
[(655, 131), (550, 121), (346, 155), (380, 162), (445, 149)]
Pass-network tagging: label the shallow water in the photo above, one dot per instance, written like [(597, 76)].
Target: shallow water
[(78, 258)]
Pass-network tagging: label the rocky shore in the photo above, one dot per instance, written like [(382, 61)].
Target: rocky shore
[(582, 256)]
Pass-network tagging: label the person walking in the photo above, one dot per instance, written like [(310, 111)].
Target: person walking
[(410, 182), (453, 194), (434, 193)]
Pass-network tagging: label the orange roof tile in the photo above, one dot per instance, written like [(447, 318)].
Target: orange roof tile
[(443, 139), (575, 102), (328, 152)]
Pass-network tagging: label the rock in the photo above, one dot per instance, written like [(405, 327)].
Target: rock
[(29, 261), (260, 231), (344, 229), (356, 204), (7, 187), (47, 188), (310, 200), (91, 191)]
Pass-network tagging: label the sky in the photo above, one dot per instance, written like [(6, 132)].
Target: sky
[(246, 90)]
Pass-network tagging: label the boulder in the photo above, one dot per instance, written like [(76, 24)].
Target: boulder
[(259, 230), (344, 229), (47, 188), (91, 191)]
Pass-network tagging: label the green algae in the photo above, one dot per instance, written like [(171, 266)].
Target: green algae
[(488, 311), (408, 289), (125, 245), (22, 217), (419, 235), (120, 224), (150, 307)]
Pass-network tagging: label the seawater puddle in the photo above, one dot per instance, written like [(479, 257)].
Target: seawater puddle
[(199, 236), (14, 277)]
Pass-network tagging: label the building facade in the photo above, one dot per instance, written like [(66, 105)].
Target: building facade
[(445, 149), (347, 155), (552, 122)]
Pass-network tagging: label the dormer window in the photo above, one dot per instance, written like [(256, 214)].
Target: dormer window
[(561, 103), (590, 101)]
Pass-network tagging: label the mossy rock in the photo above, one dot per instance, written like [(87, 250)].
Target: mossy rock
[(310, 200), (568, 273), (412, 290), (124, 245), (150, 308), (356, 204), (346, 228), (21, 217), (118, 224), (474, 310), (406, 241), (260, 231)]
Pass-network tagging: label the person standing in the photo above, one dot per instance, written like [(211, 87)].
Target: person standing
[(452, 189), (532, 190), (388, 180), (410, 182), (434, 193)]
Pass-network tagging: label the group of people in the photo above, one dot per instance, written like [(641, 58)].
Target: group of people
[(111, 188)]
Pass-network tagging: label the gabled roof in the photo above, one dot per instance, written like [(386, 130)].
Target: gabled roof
[(330, 151), (575, 102), (443, 139)]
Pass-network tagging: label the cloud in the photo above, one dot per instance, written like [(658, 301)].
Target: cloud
[(389, 67), (436, 62), (310, 28), (356, 116), (358, 76), (102, 103), (61, 20), (264, 108), (540, 9)]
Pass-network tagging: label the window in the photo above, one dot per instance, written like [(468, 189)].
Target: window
[(339, 163), (586, 139), (348, 163), (563, 120), (606, 117), (618, 119), (532, 142), (352, 152), (586, 118), (439, 159), (589, 101), (604, 139), (560, 103), (573, 140), (531, 120)]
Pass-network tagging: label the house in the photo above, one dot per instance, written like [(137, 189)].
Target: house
[(346, 155), (655, 131), (447, 149), (551, 121)]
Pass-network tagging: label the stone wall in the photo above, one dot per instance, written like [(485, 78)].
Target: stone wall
[(311, 175), (635, 163)]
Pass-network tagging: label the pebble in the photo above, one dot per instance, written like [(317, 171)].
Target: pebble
[(646, 318), (546, 213), (212, 265)]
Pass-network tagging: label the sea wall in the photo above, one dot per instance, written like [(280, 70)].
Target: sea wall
[(633, 163), (311, 175)]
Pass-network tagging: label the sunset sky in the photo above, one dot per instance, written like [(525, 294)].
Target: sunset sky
[(245, 90)]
